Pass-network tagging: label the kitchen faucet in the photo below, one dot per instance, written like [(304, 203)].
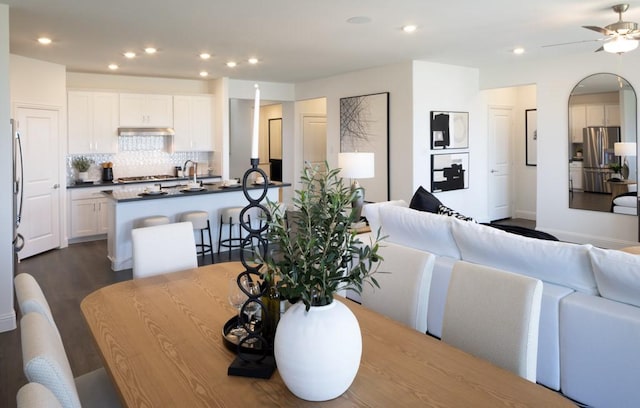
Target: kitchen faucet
[(195, 168)]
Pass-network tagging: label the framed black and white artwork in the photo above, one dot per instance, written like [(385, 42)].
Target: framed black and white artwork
[(449, 172), (364, 127), (449, 130), (531, 142)]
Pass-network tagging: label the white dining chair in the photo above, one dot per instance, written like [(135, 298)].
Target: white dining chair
[(45, 362), (36, 395), (405, 280), (31, 298), (494, 315), (163, 249)]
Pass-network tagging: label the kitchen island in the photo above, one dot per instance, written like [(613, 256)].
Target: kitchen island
[(126, 208)]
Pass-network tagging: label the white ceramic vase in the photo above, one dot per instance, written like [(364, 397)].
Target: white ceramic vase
[(318, 352), (83, 175)]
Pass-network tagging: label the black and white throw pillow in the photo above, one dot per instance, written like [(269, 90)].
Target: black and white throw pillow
[(444, 210)]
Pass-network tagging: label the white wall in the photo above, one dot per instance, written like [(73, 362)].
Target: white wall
[(554, 81), (439, 87), (524, 177), (36, 82), (395, 79), (7, 313), (136, 83), (40, 84), (240, 131)]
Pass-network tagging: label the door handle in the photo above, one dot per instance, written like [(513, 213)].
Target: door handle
[(56, 186), (494, 171)]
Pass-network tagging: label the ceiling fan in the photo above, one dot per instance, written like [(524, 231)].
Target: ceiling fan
[(620, 37)]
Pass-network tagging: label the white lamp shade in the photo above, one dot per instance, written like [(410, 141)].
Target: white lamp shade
[(624, 149), (620, 44), (356, 165)]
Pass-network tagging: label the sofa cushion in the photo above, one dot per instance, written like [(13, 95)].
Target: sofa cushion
[(419, 230), (555, 262), (617, 274), (370, 211), (423, 200), (599, 353)]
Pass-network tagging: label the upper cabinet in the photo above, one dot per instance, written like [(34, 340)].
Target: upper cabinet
[(193, 123), (577, 121), (597, 114), (603, 115), (146, 110), (92, 122)]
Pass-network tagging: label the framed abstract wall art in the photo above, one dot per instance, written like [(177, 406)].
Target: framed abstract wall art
[(531, 142), (449, 130), (364, 127), (449, 172)]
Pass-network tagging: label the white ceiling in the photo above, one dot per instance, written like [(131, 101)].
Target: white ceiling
[(299, 40)]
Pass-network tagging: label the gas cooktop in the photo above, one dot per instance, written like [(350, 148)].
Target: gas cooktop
[(135, 179)]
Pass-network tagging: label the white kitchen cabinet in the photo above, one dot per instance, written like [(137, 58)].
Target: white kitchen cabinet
[(612, 115), (193, 123), (603, 115), (575, 174), (88, 212), (92, 122), (578, 122), (146, 110)]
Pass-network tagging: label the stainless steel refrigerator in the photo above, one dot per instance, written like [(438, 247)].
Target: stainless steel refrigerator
[(18, 240), (598, 155)]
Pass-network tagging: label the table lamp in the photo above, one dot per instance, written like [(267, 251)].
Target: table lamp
[(357, 165), (624, 149)]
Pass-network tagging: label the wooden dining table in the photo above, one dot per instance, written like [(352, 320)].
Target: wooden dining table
[(161, 342)]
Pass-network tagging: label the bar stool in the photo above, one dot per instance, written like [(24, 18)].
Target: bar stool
[(231, 216), (154, 220), (200, 221)]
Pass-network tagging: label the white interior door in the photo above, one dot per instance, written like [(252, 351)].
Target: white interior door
[(40, 223), (500, 177), (314, 140)]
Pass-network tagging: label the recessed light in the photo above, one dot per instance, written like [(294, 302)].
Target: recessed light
[(113, 67), (409, 28), (205, 56), (44, 40), (253, 60), (130, 54), (231, 64), (150, 50), (359, 20), (204, 73), (518, 50)]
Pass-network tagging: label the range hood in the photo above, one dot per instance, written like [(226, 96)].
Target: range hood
[(140, 131)]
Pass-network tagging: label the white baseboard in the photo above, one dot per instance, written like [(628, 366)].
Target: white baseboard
[(8, 322), (527, 215)]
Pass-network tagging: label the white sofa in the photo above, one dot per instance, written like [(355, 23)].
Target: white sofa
[(589, 340)]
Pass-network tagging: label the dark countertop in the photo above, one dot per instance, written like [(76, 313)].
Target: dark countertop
[(130, 195), (115, 183)]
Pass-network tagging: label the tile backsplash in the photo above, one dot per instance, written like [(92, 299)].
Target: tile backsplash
[(141, 156)]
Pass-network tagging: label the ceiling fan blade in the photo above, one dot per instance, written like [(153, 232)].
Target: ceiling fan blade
[(599, 30), (572, 42)]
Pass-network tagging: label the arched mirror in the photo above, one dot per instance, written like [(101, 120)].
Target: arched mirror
[(603, 174)]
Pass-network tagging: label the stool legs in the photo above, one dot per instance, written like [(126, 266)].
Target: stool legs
[(205, 248)]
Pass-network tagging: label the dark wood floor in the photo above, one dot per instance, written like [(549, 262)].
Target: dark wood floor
[(66, 277)]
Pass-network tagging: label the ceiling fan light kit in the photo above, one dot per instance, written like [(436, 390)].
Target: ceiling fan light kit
[(620, 45)]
